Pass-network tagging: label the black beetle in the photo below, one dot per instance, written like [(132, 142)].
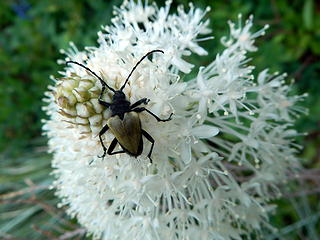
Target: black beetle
[(124, 122)]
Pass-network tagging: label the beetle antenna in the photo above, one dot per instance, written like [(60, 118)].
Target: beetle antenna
[(103, 83), (134, 68)]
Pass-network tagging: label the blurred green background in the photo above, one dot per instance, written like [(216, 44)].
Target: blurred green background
[(32, 32)]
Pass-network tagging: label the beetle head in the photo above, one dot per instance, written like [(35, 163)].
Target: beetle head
[(118, 95)]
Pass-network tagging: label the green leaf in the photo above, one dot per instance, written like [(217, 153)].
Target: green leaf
[(307, 14)]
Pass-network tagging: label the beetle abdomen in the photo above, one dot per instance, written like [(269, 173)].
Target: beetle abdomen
[(127, 132)]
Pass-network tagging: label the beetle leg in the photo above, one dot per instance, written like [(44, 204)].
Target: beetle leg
[(155, 116), (147, 136), (112, 146), (136, 104), (103, 131), (106, 104)]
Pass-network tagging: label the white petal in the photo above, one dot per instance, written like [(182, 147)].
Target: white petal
[(200, 80), (202, 109), (186, 152), (205, 131), (182, 65), (197, 49)]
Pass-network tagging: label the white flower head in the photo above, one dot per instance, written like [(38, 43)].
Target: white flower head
[(223, 124)]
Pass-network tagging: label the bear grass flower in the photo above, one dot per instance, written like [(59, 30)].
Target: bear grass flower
[(216, 164)]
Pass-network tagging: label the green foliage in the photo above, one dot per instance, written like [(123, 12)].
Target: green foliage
[(32, 32), (29, 49)]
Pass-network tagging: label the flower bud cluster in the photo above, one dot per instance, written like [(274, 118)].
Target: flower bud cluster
[(77, 99)]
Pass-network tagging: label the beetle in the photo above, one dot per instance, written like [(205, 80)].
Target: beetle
[(125, 123)]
